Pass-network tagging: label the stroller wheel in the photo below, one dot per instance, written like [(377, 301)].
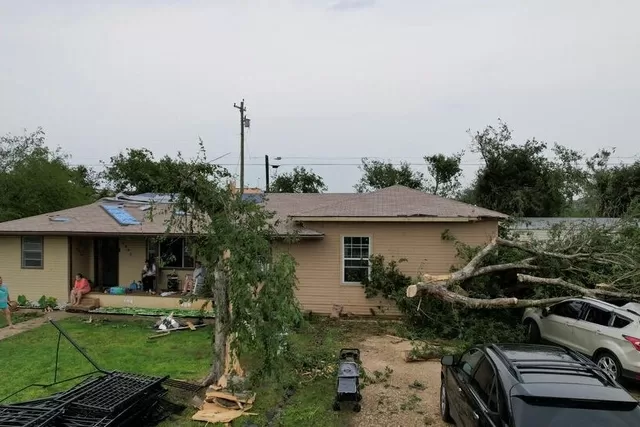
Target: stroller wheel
[(357, 407), (336, 406), (358, 397)]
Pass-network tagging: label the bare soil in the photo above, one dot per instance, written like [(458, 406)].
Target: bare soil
[(403, 394)]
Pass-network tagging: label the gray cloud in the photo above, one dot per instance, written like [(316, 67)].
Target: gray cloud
[(342, 5)]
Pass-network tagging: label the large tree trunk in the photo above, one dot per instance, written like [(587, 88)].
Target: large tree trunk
[(223, 317)]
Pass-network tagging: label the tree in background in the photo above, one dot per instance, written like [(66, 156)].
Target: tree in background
[(611, 191), (137, 171), (521, 180), (35, 179), (445, 173), (299, 180), (377, 174)]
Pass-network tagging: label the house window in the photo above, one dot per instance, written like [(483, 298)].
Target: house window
[(355, 259), (170, 253), (32, 252)]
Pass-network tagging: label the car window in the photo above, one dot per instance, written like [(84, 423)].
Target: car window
[(569, 309), (620, 322), (483, 380), (598, 316), (469, 360)]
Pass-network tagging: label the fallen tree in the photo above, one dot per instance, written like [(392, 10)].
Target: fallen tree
[(581, 257)]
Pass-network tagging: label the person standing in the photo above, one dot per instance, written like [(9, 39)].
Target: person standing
[(198, 277), (148, 275), (4, 302)]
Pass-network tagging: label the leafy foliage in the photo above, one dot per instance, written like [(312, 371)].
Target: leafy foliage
[(299, 180), (377, 174), (234, 244), (35, 179), (521, 180), (137, 171), (445, 172)]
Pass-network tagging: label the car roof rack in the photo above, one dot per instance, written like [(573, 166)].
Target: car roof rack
[(580, 366)]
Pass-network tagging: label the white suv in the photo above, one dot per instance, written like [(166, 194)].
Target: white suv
[(609, 334)]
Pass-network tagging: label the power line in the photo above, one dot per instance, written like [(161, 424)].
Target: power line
[(334, 164)]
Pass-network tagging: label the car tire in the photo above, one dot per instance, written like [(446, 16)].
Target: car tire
[(444, 404), (533, 331), (608, 362)]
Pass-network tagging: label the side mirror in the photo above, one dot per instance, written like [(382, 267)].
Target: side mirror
[(447, 360), (546, 311)]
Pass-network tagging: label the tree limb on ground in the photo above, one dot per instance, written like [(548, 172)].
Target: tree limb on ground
[(446, 286)]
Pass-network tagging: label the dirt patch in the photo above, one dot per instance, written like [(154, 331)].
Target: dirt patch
[(402, 394)]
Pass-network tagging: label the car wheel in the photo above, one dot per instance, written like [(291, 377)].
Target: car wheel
[(533, 331), (610, 364), (444, 404)]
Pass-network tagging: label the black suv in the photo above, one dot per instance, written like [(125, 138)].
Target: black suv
[(528, 385)]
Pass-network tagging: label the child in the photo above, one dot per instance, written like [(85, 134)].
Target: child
[(4, 302)]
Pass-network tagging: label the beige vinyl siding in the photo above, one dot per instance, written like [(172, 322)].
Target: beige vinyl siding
[(53, 280), (82, 256), (133, 253), (319, 261)]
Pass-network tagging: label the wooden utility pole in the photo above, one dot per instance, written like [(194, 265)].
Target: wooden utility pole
[(242, 109), (266, 171)]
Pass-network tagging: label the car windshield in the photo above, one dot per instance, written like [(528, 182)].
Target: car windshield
[(573, 414)]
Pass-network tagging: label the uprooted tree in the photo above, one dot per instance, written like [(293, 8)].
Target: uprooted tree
[(587, 260), (250, 288), (482, 298)]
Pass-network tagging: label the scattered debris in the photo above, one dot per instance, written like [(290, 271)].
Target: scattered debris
[(336, 311), (417, 385), (168, 324), (396, 340), (221, 407)]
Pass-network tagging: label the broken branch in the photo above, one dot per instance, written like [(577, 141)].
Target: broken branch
[(576, 288), (442, 293)]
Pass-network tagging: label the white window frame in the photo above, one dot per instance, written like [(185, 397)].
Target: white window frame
[(343, 259), (22, 253)]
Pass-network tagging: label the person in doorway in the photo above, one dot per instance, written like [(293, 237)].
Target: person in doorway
[(4, 302), (148, 275), (199, 272), (81, 287)]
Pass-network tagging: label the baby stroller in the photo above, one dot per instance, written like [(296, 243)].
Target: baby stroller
[(348, 386)]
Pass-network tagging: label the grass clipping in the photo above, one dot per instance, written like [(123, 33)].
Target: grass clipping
[(221, 407)]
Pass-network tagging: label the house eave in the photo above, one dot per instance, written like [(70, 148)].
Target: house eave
[(382, 219)]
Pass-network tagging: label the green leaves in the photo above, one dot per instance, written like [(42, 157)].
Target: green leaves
[(298, 181), (377, 174), (35, 179), (234, 242)]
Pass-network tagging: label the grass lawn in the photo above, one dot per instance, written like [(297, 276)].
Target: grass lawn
[(123, 345), (17, 317)]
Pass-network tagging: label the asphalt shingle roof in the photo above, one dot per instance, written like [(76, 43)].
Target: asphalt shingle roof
[(392, 202)]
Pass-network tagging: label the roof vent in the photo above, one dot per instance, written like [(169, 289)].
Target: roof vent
[(58, 219)]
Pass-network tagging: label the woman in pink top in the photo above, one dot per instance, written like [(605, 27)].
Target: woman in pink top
[(80, 288)]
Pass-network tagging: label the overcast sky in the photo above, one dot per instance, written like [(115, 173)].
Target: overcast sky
[(325, 82)]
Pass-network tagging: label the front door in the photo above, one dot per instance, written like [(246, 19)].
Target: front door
[(107, 257)]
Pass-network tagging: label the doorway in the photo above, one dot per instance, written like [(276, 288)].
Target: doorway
[(106, 260)]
